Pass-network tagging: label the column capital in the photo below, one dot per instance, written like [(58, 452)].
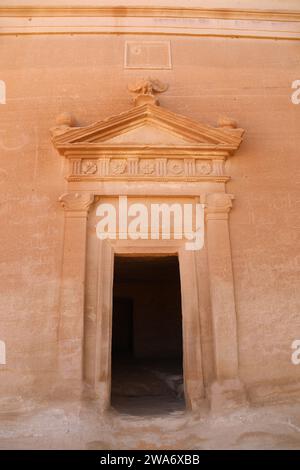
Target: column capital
[(76, 202), (218, 205)]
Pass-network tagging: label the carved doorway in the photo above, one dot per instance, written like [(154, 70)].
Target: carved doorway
[(148, 151), (147, 355)]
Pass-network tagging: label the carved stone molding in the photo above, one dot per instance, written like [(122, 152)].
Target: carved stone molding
[(152, 167), (203, 167), (111, 158), (147, 167), (64, 122), (147, 142), (145, 91), (118, 166), (76, 201), (89, 167), (166, 20), (218, 205), (175, 167)]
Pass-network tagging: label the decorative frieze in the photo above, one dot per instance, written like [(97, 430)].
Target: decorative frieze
[(218, 167), (161, 166), (133, 166), (146, 167), (104, 166), (88, 167), (203, 168), (189, 166), (75, 165), (118, 166), (175, 167)]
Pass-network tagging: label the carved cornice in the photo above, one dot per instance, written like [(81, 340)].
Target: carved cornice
[(96, 135), (150, 11), (189, 150), (232, 22), (115, 148), (76, 202)]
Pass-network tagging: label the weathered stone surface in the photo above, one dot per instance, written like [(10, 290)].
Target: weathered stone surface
[(249, 267)]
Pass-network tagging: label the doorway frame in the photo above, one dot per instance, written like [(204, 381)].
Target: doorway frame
[(226, 389), (192, 359), (97, 166)]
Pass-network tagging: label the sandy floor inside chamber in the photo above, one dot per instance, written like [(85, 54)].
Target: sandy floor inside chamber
[(147, 387)]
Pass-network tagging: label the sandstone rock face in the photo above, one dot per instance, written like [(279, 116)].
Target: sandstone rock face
[(228, 83)]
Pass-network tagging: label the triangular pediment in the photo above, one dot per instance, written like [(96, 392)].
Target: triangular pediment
[(147, 134), (147, 125)]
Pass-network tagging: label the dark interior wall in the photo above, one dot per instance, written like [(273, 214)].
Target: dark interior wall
[(153, 287)]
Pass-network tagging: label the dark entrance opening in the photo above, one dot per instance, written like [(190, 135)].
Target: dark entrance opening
[(147, 375)]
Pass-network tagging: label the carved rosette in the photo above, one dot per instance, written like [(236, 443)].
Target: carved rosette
[(118, 166), (176, 167), (74, 202), (203, 168), (89, 167), (147, 167)]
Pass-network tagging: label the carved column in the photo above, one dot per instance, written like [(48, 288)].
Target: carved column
[(192, 366), (70, 333), (227, 390)]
